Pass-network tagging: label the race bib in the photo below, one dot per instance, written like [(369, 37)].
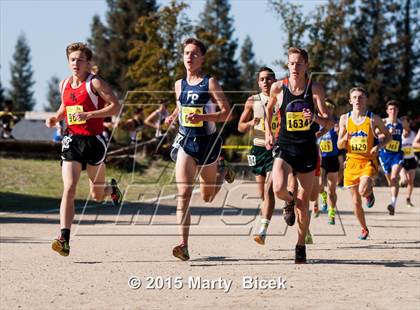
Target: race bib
[(71, 118), (326, 146), (274, 123), (252, 160), (358, 144), (408, 151), (296, 122), (189, 110), (393, 146)]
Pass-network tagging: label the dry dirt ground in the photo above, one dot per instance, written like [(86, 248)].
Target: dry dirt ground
[(109, 246)]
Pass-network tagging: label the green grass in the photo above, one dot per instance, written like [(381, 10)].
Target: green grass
[(37, 184)]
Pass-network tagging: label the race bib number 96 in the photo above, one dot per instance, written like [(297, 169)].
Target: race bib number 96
[(71, 111), (274, 123), (190, 110), (296, 122)]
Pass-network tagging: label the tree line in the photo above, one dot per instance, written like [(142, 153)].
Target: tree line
[(137, 48)]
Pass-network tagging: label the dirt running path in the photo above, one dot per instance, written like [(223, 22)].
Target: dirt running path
[(111, 246)]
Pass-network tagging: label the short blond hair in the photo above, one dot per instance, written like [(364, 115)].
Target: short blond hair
[(360, 89), (79, 46)]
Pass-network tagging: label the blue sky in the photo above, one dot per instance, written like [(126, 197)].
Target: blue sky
[(50, 25)]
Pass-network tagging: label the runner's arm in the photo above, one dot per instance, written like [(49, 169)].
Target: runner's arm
[(378, 132), (342, 133), (274, 92), (384, 134), (323, 116), (149, 120), (216, 92), (169, 120), (416, 142), (245, 124), (59, 115)]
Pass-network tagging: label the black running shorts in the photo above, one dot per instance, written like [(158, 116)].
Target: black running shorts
[(301, 157), (83, 149), (330, 164), (409, 163)]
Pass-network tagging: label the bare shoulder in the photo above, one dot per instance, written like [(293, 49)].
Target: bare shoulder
[(178, 85), (377, 119), (317, 87), (276, 87), (98, 82), (213, 82), (343, 119), (250, 99)]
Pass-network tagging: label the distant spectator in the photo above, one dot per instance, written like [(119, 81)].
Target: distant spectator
[(108, 127), (7, 120), (134, 124), (58, 132), (157, 120)]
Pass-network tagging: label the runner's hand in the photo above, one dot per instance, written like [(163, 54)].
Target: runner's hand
[(51, 122), (81, 116), (255, 121), (374, 151), (307, 114), (194, 118), (269, 140), (169, 120)]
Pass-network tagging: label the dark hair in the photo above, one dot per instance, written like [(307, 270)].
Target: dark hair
[(394, 103), (300, 51), (360, 89), (197, 43), (264, 68)]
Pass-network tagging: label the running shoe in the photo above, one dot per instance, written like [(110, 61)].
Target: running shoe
[(324, 202), (316, 211), (364, 235), (370, 201), (230, 174), (181, 252), (308, 238), (391, 209), (289, 213), (331, 216), (260, 239), (409, 203), (61, 246), (116, 194), (300, 254)]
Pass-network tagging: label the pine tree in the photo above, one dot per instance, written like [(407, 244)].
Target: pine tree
[(1, 95), (53, 95), (249, 67), (21, 73), (326, 48), (99, 42), (216, 31), (366, 47), (111, 43), (407, 54), (294, 22), (157, 58)]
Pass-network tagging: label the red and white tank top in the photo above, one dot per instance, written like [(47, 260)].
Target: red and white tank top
[(81, 99)]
